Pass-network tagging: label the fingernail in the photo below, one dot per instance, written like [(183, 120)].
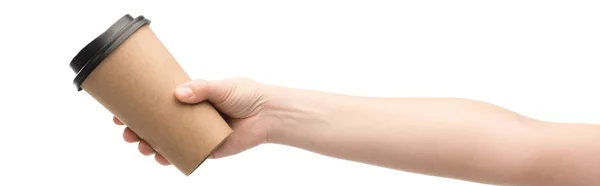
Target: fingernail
[(184, 92)]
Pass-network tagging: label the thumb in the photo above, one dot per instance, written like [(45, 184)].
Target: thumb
[(199, 90)]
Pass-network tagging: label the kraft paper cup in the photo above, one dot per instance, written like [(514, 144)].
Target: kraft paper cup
[(132, 74)]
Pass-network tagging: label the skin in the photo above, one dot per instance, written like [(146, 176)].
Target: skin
[(447, 137)]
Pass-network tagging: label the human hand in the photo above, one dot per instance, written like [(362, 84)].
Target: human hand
[(242, 102)]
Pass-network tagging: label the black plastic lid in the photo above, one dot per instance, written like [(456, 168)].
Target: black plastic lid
[(93, 53)]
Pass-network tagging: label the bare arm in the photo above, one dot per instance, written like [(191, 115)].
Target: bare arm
[(456, 138)]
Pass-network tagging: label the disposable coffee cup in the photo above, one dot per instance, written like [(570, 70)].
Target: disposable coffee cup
[(131, 73)]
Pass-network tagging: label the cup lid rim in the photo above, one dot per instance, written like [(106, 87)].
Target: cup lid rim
[(90, 56)]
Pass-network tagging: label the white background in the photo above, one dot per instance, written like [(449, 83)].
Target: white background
[(538, 58)]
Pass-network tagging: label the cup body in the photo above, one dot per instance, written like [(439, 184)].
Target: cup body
[(136, 82)]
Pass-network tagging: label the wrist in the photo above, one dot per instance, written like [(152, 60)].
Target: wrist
[(300, 117), (292, 112)]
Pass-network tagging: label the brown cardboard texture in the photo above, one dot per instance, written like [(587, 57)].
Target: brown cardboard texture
[(136, 82)]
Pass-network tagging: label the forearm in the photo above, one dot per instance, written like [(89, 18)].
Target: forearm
[(454, 138)]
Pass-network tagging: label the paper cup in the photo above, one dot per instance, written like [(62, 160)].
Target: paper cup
[(132, 74)]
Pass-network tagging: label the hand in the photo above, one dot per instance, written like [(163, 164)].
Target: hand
[(242, 102)]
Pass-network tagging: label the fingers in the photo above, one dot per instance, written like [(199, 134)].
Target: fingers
[(145, 149), (217, 91), (193, 91), (129, 136), (161, 159), (117, 121)]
